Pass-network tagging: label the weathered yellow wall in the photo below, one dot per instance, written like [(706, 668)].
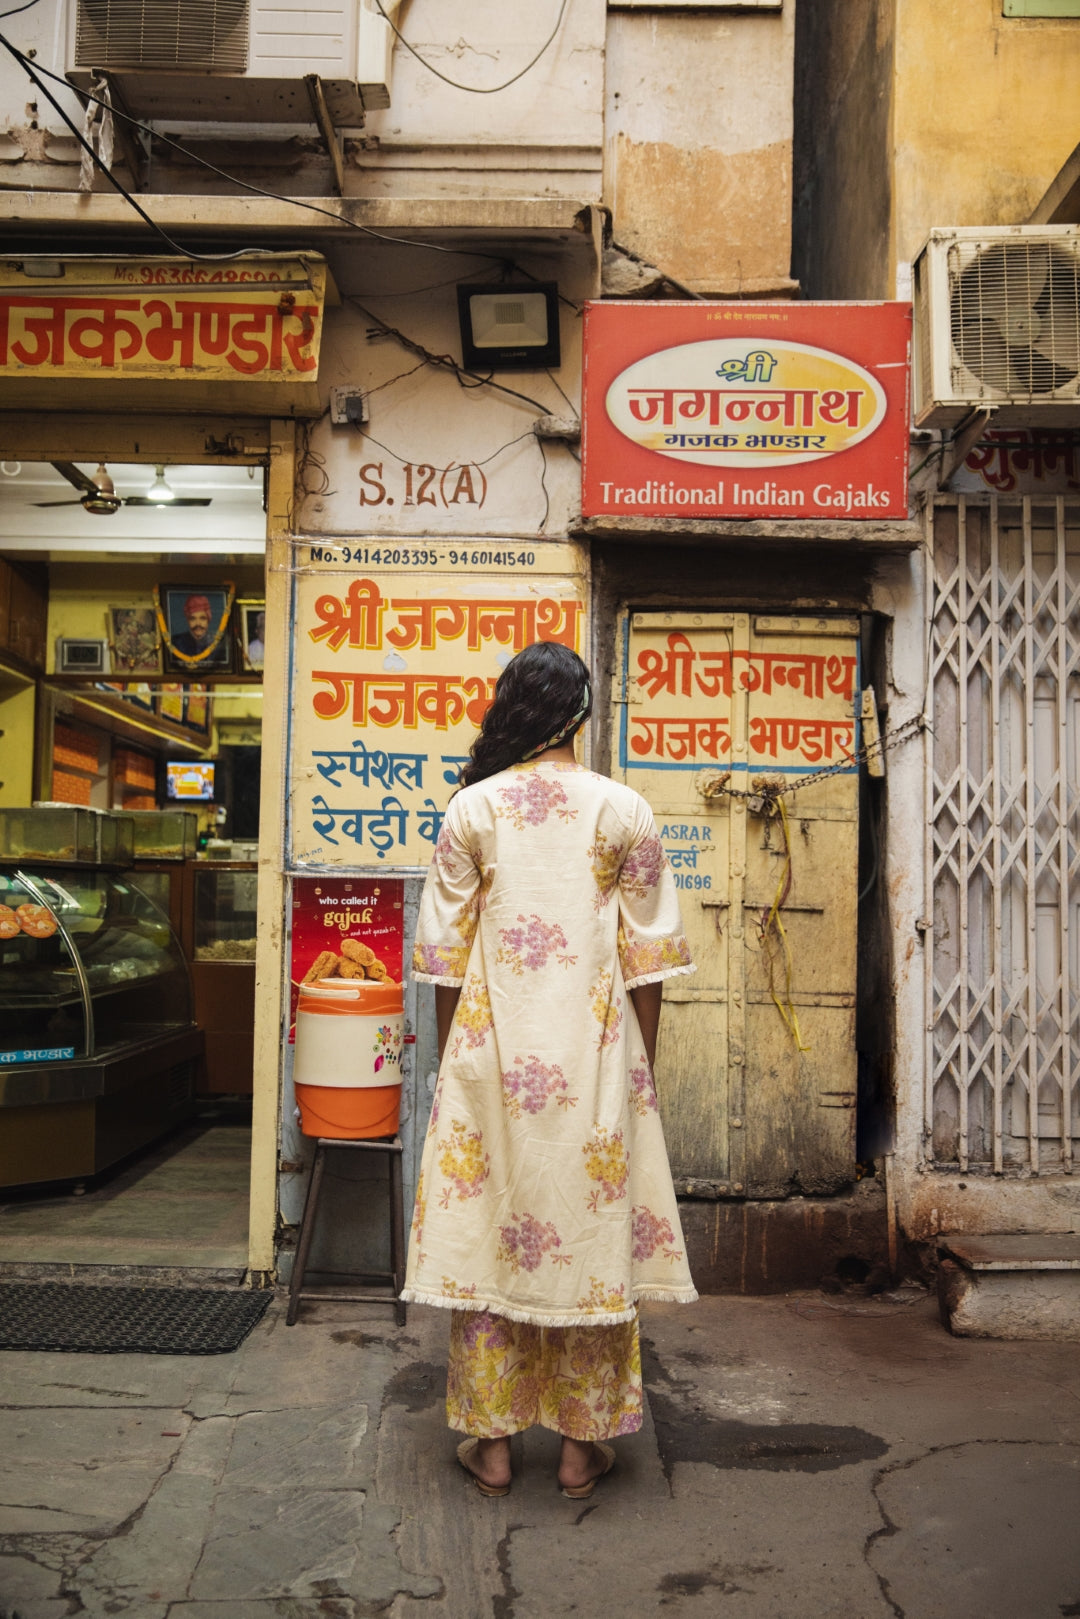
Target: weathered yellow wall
[(16, 741), (986, 113), (698, 129), (912, 114)]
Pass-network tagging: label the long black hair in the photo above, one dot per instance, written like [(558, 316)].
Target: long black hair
[(542, 695)]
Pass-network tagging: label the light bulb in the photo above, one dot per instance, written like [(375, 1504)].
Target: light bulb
[(159, 491)]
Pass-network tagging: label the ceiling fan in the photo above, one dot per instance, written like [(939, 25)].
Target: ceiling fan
[(98, 496)]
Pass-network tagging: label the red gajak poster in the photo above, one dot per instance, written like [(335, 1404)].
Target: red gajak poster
[(346, 928), (793, 410)]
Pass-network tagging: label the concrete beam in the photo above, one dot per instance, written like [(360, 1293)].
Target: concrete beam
[(897, 536), (244, 216)]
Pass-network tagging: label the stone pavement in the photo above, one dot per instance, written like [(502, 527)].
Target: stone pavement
[(805, 1456)]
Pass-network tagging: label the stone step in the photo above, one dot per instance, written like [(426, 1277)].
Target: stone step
[(1010, 1284)]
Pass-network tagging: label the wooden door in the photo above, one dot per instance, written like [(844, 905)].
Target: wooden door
[(721, 717)]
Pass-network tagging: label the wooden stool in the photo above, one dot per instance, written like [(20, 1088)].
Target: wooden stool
[(395, 1275)]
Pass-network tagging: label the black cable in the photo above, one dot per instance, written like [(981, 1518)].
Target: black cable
[(213, 258), (445, 362), (14, 12), (473, 89), (223, 174)]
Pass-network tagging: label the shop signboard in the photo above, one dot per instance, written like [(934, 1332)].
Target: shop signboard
[(347, 928), (137, 325), (396, 651), (705, 410), (1036, 461)]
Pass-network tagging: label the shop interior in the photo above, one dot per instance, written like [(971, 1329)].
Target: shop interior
[(131, 651)]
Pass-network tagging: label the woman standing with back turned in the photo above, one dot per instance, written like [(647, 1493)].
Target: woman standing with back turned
[(545, 1208)]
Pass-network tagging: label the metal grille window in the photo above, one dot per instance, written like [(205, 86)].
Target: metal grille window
[(1003, 959), (208, 35)]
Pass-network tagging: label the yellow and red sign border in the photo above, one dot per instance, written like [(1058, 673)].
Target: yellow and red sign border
[(627, 343)]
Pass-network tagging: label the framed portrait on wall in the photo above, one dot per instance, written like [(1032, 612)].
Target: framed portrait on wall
[(134, 641), (171, 702), (197, 709), (251, 624), (195, 628)]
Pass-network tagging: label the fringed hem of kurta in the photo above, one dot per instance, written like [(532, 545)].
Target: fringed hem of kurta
[(436, 978), (553, 1318), (658, 977)]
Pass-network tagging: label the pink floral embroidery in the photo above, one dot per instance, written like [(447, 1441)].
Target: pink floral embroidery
[(641, 958), (530, 945), (642, 1089), (643, 867), (606, 1010), (524, 1242), (447, 856), (464, 1162), (530, 800), (497, 1332), (528, 1087), (604, 858), (649, 1232), (606, 1162), (440, 961)]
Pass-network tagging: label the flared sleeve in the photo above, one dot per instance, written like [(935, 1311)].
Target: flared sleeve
[(652, 945), (449, 907)]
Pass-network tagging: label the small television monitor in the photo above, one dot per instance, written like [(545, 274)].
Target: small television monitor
[(189, 781)]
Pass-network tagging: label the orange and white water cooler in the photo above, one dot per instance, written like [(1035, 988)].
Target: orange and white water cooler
[(347, 1063)]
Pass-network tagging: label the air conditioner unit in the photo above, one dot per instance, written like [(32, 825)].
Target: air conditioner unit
[(235, 61), (997, 319)]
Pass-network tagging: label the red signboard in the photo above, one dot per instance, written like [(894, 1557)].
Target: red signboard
[(711, 410), (345, 927)]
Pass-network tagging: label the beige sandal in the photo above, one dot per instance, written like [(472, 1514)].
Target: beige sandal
[(581, 1492), (466, 1448)]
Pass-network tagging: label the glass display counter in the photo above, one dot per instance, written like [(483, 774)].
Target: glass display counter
[(67, 835), (220, 938), (164, 834), (97, 1038)]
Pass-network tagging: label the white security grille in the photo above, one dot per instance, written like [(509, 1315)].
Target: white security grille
[(1003, 959), (208, 36)]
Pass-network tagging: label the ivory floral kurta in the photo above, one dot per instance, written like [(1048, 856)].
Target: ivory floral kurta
[(545, 1193)]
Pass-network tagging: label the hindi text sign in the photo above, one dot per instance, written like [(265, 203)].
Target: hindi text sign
[(392, 675), (746, 410)]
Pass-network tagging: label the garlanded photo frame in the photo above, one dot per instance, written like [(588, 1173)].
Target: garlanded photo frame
[(251, 631), (193, 621), (133, 641), (197, 709)]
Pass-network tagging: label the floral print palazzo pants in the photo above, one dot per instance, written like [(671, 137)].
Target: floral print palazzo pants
[(585, 1382)]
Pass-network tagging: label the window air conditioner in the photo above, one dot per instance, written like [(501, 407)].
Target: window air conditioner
[(236, 61), (997, 319)]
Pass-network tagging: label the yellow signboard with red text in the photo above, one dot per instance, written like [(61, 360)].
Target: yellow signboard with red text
[(395, 657), (139, 326)]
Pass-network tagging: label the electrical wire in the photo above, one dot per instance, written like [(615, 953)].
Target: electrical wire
[(106, 171), (14, 12), (32, 69), (473, 89), (444, 362)]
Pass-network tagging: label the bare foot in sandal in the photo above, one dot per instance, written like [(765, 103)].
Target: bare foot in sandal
[(581, 1464), (488, 1460)]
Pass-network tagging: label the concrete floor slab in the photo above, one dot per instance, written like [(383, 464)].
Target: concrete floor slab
[(983, 1530), (803, 1455)]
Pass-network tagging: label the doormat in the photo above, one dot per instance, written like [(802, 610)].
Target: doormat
[(127, 1320)]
